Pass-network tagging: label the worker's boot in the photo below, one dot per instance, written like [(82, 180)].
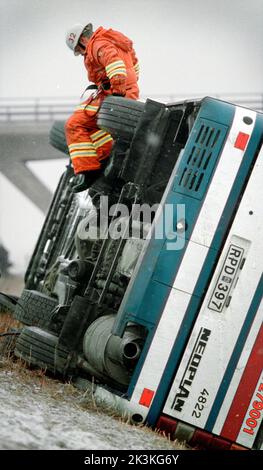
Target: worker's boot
[(102, 187), (80, 183), (97, 185), (84, 181)]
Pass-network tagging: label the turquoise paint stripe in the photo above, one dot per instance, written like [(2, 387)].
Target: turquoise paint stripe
[(173, 361), (221, 233), (156, 259), (163, 265), (249, 159), (252, 311)]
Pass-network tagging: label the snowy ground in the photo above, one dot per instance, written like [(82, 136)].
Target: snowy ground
[(37, 412)]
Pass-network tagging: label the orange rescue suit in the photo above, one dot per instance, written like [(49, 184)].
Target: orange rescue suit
[(112, 65)]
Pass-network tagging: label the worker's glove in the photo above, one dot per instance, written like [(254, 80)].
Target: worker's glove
[(118, 85)]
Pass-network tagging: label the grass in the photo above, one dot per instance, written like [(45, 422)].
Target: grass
[(7, 322), (57, 389)]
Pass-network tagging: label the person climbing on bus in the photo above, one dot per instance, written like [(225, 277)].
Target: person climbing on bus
[(113, 69)]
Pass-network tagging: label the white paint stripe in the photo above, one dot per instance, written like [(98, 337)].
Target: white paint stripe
[(226, 171), (238, 372), (190, 269), (225, 326), (258, 171), (225, 329), (162, 344)]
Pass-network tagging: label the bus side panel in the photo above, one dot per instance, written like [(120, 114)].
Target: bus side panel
[(220, 350)]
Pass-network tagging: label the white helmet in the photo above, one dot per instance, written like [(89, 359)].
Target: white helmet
[(73, 35)]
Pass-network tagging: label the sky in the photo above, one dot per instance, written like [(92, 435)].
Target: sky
[(184, 47)]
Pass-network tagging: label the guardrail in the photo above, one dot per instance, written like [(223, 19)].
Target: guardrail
[(53, 108)]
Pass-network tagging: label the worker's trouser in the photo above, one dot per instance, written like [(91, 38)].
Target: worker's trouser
[(88, 145)]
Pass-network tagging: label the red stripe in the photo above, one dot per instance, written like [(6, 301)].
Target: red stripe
[(245, 391)]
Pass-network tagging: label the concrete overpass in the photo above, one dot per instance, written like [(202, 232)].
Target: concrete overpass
[(24, 130), (22, 142)]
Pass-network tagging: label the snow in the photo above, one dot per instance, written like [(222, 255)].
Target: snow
[(38, 412)]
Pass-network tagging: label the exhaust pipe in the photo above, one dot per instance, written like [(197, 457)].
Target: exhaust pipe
[(110, 354)]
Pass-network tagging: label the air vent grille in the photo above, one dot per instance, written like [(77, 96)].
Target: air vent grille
[(199, 158)]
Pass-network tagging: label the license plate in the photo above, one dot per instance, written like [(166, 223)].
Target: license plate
[(232, 264)]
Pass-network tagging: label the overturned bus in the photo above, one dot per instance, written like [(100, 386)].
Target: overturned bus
[(157, 299)]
